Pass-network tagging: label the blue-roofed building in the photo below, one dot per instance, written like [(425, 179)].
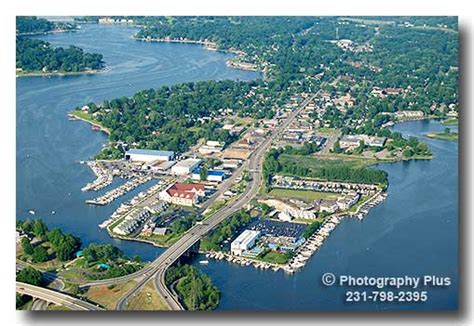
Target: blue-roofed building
[(148, 155), (212, 175)]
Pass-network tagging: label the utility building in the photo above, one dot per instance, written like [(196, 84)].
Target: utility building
[(245, 241), (148, 155)]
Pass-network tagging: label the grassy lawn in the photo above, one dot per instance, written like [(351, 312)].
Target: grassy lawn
[(449, 136), (329, 160), (88, 117), (54, 307), (326, 131), (302, 194), (369, 21), (275, 257), (107, 296), (218, 204), (147, 299), (361, 202), (450, 121), (163, 240), (308, 221)]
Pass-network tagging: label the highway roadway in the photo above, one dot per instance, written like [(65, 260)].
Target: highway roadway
[(157, 268), (58, 298)]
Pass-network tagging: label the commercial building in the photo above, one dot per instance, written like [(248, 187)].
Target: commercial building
[(245, 241), (211, 147), (185, 194), (148, 155), (186, 166), (212, 175), (352, 141)]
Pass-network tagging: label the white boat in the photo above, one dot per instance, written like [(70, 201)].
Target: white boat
[(204, 262), (32, 212)]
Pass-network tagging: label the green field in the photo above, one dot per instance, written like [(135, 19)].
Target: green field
[(275, 257), (88, 118), (329, 160), (302, 194), (450, 122), (326, 131)]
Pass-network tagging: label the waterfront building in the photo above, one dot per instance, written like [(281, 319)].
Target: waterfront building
[(147, 155), (348, 201), (244, 242), (329, 206), (186, 166), (353, 141), (288, 214), (409, 114), (185, 194)]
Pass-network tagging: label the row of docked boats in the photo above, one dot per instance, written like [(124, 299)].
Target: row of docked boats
[(104, 177), (244, 261), (127, 207), (113, 194)]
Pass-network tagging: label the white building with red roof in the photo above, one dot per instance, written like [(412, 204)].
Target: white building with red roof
[(185, 194)]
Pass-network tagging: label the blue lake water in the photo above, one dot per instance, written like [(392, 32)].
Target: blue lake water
[(413, 232), (49, 147)]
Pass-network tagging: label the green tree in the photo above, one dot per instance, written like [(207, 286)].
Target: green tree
[(408, 152), (203, 173), (40, 254), (29, 275), (39, 228), (27, 246)]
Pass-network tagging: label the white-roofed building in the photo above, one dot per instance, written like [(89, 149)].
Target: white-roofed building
[(245, 241), (186, 166)]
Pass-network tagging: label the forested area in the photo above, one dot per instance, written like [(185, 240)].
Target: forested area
[(169, 117), (335, 171), (33, 55), (33, 25), (61, 246), (30, 25), (37, 55), (194, 288)]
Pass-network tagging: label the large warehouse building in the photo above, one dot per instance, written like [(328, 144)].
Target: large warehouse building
[(186, 166), (245, 241), (148, 155)]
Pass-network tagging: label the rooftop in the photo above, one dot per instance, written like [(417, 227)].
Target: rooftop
[(149, 152)]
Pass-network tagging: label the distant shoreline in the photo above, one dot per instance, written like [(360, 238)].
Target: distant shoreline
[(211, 46), (48, 32), (60, 73)]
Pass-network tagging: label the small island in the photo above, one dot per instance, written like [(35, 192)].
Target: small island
[(447, 134), (39, 58)]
